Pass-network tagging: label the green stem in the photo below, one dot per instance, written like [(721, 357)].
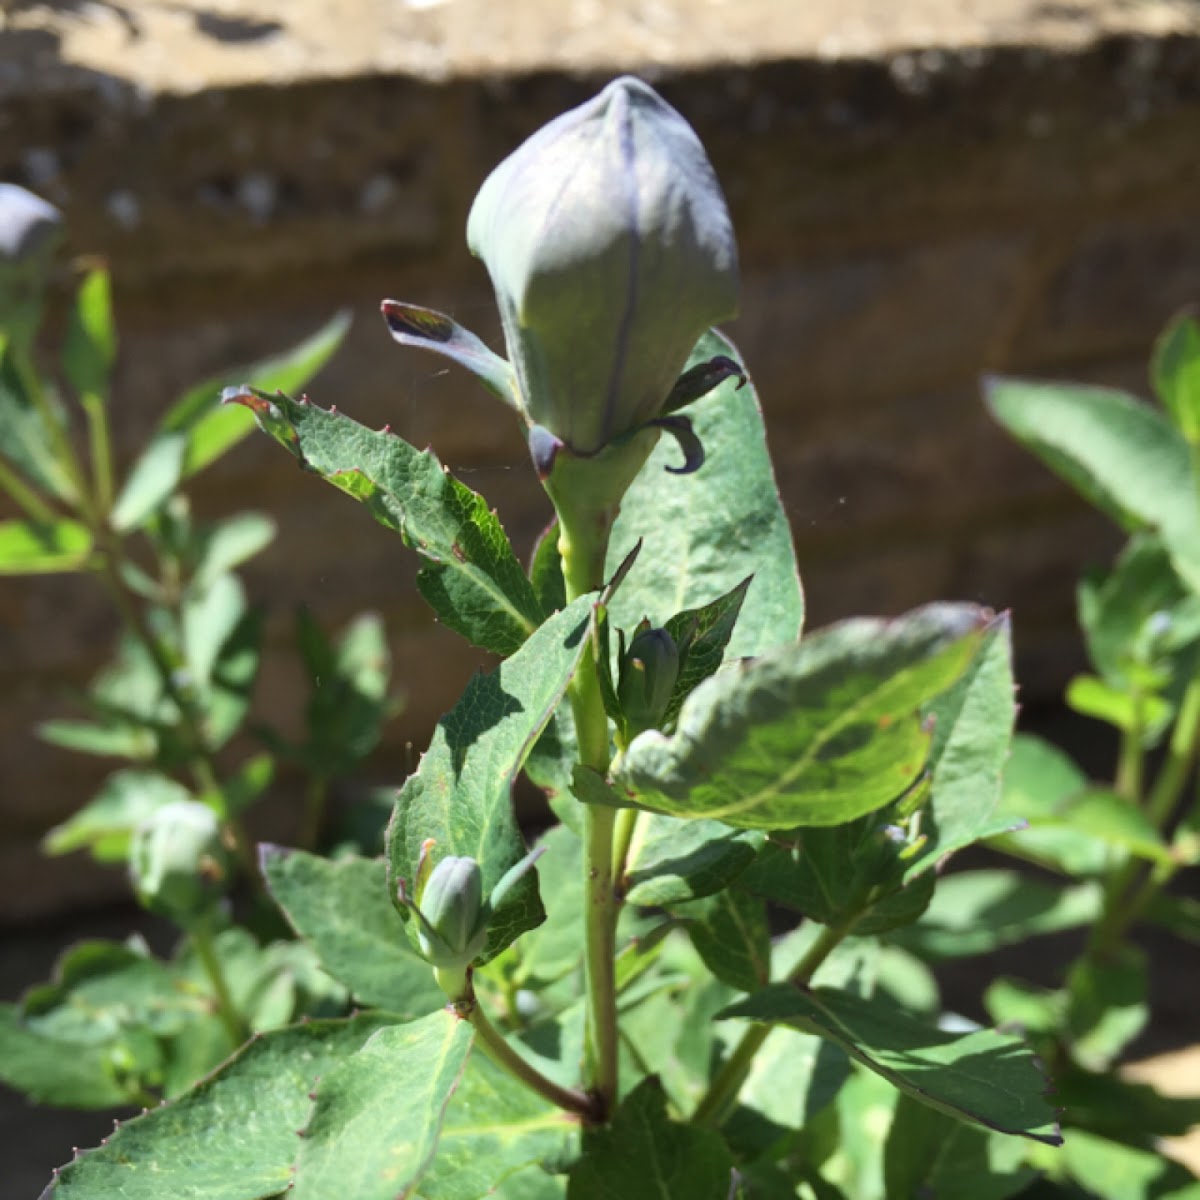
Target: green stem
[(501, 1052), (727, 1083), (24, 495), (227, 1011), (101, 447), (1128, 781), (1181, 756), (627, 823)]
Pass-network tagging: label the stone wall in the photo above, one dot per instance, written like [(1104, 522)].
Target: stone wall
[(918, 198)]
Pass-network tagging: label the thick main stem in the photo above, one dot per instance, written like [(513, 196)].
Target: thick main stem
[(727, 1083)]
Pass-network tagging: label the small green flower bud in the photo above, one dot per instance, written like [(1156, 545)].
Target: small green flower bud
[(611, 250), (452, 924), (648, 671), (178, 861)]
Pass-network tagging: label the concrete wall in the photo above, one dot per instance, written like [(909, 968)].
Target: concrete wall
[(911, 211)]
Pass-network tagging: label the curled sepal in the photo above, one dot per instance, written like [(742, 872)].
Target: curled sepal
[(681, 430), (699, 380), (544, 448), (426, 329)]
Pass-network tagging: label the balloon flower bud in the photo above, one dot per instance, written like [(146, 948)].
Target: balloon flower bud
[(179, 862), (30, 230), (646, 682), (611, 251), (453, 928)]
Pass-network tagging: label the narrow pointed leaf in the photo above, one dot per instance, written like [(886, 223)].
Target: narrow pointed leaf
[(983, 1077), (426, 329), (815, 733), (27, 439), (43, 547), (375, 1124), (706, 532), (91, 344), (461, 794), (232, 1137), (341, 907), (471, 576), (153, 478)]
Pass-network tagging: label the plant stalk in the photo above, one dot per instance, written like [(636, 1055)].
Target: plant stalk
[(227, 1012), (501, 1052), (722, 1093)]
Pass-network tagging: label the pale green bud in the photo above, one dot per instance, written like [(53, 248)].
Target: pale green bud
[(646, 681), (452, 925), (178, 860), (611, 250)]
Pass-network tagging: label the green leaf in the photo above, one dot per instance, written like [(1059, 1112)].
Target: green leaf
[(461, 794), (105, 824), (1107, 1006), (972, 736), (551, 766), (815, 733), (643, 1155), (471, 576), (91, 343), (732, 936), (1038, 780), (1179, 914), (341, 906), (1110, 819), (1092, 697), (930, 1154), (151, 481), (210, 429), (230, 688), (976, 911), (494, 1127), (116, 739), (209, 618), (545, 571), (1122, 455), (1111, 1171), (43, 547), (705, 533), (48, 1071), (232, 1137), (1175, 373), (555, 948), (983, 1077), (671, 861), (228, 544), (29, 439), (378, 1114), (1109, 1104)]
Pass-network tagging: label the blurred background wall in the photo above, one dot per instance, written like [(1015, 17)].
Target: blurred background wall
[(923, 191)]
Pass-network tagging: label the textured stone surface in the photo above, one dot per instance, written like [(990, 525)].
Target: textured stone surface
[(921, 191)]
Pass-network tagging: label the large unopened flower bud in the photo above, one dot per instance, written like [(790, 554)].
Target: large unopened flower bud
[(179, 862), (611, 250), (646, 682), (454, 926)]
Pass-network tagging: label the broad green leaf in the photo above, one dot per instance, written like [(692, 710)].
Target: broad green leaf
[(341, 906), (551, 766), (228, 544), (470, 576), (1120, 454), (461, 794), (555, 947), (378, 1114), (209, 617), (984, 1077), (118, 739), (232, 1137), (1111, 1171), (644, 1155), (732, 936), (671, 861), (43, 547), (828, 873), (1110, 819), (48, 1071), (210, 429), (1175, 373), (705, 533), (494, 1127), (91, 343), (1092, 697), (545, 571), (930, 1154), (151, 481), (28, 438), (1038, 779), (814, 733), (1107, 1006), (972, 735), (1110, 1104), (976, 911), (105, 824)]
